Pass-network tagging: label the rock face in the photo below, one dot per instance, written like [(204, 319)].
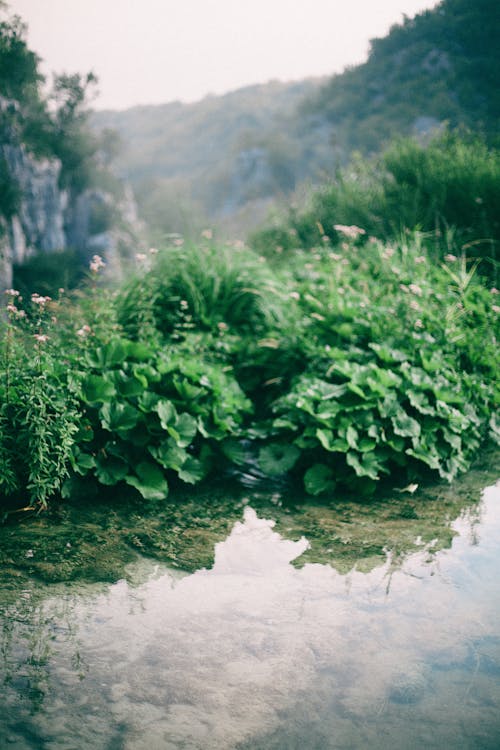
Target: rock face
[(39, 223), (48, 218)]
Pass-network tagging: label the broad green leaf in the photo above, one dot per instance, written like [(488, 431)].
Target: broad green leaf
[(420, 402), (405, 425), (148, 401), (429, 457), (110, 469), (149, 481), (97, 388), (82, 462), (366, 464), (192, 471), (128, 385), (108, 355), (146, 373), (139, 351), (351, 436), (494, 425), (119, 418), (169, 454), (167, 413), (318, 480), (186, 427), (331, 443), (389, 407), (387, 354), (278, 458), (186, 390)]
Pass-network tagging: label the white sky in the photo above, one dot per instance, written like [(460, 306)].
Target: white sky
[(155, 51)]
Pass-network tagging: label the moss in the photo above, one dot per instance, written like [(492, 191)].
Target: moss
[(96, 542)]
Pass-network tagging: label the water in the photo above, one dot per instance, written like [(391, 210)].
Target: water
[(263, 652)]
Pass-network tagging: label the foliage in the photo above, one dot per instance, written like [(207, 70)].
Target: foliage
[(148, 415), (38, 412), (344, 369), (452, 182), (200, 286)]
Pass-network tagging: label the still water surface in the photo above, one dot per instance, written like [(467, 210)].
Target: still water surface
[(258, 653)]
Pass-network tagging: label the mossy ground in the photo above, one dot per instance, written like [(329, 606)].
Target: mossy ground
[(96, 541)]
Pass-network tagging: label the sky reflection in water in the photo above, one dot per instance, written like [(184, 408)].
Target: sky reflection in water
[(256, 653)]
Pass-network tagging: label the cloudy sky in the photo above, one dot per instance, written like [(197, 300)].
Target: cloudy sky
[(154, 51)]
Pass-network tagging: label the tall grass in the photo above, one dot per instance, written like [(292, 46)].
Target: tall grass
[(449, 186)]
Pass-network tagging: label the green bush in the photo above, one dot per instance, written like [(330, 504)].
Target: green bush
[(348, 368), (451, 183)]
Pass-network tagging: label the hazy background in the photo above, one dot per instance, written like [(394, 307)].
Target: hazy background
[(155, 51)]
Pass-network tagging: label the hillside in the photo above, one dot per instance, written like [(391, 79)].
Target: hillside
[(230, 155)]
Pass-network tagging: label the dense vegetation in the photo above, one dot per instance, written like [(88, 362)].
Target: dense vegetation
[(449, 187), (344, 367), (355, 347)]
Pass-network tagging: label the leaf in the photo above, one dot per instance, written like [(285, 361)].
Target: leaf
[(148, 401), (352, 437), (186, 428), (128, 385), (149, 481), (169, 454), (366, 464), (83, 462), (278, 458), (494, 425), (167, 413), (110, 469), (139, 351), (405, 426), (420, 402), (193, 471), (318, 480), (329, 443), (119, 418), (97, 388), (186, 390), (108, 355)]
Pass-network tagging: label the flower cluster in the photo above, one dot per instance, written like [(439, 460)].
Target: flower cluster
[(40, 300), (96, 264), (352, 232)]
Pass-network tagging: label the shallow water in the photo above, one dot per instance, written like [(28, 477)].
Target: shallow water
[(257, 652)]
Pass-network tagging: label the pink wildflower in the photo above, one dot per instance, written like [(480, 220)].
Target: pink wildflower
[(39, 299), (353, 232), (83, 331), (96, 264)]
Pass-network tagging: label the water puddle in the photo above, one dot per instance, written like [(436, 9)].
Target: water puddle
[(264, 650)]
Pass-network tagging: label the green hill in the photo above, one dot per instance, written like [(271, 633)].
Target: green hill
[(229, 156)]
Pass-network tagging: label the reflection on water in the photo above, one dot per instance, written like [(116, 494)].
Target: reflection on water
[(258, 653)]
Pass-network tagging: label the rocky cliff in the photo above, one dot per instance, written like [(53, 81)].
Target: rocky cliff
[(42, 217)]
